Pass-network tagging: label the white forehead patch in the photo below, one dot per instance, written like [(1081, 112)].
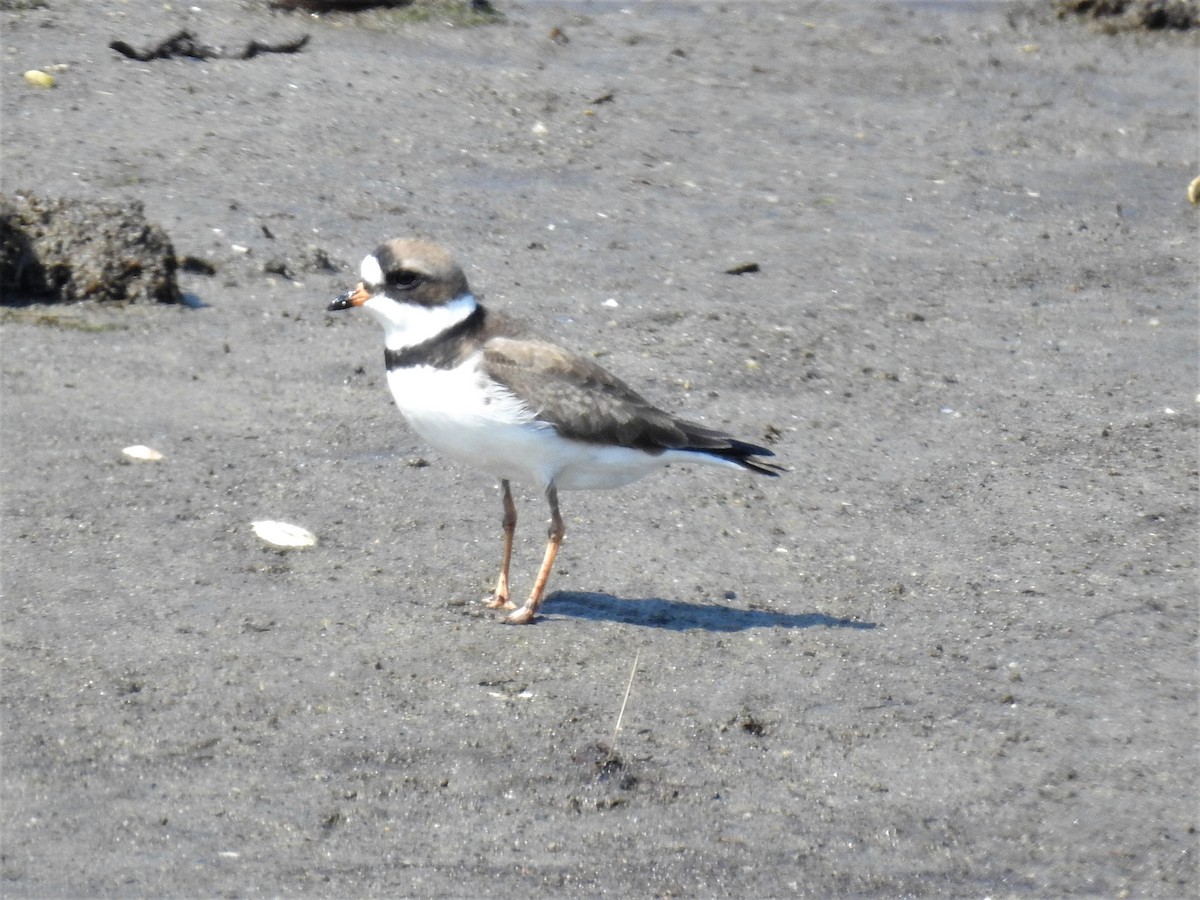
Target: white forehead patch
[(370, 271)]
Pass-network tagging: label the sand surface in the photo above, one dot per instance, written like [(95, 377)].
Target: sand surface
[(951, 653)]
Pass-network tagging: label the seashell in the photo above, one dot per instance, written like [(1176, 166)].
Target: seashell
[(1194, 190), (143, 453), (283, 534)]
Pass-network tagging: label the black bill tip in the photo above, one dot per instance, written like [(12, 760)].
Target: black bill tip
[(356, 297)]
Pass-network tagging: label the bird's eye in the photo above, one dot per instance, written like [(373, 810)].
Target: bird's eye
[(403, 278)]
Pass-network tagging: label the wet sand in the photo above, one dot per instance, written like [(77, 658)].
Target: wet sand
[(951, 653)]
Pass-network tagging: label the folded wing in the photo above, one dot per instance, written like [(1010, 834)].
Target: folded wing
[(585, 402)]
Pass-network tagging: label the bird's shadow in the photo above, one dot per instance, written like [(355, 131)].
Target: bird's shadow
[(678, 615)]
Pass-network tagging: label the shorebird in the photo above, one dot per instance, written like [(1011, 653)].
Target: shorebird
[(474, 386)]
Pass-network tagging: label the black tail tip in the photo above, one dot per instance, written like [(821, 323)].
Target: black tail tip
[(762, 468), (744, 455)]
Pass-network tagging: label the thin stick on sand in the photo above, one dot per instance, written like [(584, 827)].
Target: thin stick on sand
[(620, 715)]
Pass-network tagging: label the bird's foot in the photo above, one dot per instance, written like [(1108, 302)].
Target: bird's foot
[(497, 601), (522, 616)]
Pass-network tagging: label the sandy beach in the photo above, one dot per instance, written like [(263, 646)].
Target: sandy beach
[(951, 652)]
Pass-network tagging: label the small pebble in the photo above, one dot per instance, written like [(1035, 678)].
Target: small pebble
[(41, 79)]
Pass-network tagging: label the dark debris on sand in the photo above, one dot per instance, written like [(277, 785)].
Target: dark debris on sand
[(184, 44), (326, 6), (1154, 15)]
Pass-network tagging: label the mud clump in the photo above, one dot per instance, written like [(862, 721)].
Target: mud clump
[(64, 251)]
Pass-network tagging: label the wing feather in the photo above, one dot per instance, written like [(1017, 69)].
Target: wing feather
[(586, 402), (581, 399)]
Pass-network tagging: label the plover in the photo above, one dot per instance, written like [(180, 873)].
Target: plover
[(475, 387)]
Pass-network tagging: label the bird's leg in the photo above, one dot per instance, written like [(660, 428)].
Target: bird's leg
[(499, 598), (527, 612)]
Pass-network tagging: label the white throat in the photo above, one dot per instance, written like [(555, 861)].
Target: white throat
[(407, 324)]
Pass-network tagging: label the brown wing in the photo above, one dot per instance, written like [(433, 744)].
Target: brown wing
[(585, 402), (580, 399)]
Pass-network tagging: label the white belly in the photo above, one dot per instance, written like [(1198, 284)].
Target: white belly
[(491, 430)]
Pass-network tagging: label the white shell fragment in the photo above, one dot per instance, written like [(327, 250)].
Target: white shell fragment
[(283, 534), (143, 453)]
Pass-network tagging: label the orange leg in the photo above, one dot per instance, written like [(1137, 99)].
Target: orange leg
[(528, 612), (499, 598)]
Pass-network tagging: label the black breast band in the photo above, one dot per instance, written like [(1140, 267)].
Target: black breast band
[(443, 351)]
